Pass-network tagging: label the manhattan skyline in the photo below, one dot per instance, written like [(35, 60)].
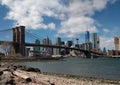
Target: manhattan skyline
[(64, 18)]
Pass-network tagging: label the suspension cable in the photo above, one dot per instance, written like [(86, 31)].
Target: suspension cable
[(33, 35), (5, 30)]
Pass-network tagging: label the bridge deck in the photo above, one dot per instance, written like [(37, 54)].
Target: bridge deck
[(64, 47)]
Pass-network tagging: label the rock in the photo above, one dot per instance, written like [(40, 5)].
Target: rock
[(28, 80), (14, 67), (11, 81), (52, 83), (7, 78), (30, 69), (1, 72), (4, 69), (19, 66)]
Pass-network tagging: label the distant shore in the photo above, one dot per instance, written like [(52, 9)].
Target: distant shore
[(30, 59), (22, 59), (7, 73)]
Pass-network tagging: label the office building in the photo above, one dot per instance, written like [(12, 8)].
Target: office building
[(31, 51), (57, 51), (27, 51), (117, 43), (37, 48), (96, 41), (58, 41), (86, 46), (87, 37), (63, 43), (47, 41), (77, 43), (69, 43)]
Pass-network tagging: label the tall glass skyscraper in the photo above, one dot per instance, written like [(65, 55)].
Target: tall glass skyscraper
[(36, 48), (58, 43), (87, 37), (47, 41), (96, 41)]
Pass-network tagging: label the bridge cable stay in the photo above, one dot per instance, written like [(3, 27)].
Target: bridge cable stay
[(34, 34), (5, 30), (6, 34), (31, 35)]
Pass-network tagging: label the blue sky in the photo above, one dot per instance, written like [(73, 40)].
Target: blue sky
[(68, 19)]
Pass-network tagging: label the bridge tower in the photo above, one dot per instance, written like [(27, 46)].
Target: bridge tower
[(19, 39)]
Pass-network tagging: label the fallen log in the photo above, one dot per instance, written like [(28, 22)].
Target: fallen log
[(22, 75)]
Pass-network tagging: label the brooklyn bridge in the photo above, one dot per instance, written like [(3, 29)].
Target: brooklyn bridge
[(17, 45)]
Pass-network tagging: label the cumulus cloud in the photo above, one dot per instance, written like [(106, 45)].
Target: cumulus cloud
[(108, 42), (80, 16), (30, 12), (76, 25), (106, 30), (75, 15)]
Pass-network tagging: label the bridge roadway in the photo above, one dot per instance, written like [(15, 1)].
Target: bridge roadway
[(64, 47), (8, 42), (54, 46)]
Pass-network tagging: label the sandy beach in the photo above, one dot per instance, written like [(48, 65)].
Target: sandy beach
[(39, 79)]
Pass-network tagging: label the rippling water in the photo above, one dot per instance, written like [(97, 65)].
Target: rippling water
[(107, 68)]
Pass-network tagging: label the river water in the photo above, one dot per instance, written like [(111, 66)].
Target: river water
[(107, 68)]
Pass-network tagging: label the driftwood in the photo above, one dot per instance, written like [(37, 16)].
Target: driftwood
[(22, 75)]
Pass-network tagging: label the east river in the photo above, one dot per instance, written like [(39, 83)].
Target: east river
[(106, 68)]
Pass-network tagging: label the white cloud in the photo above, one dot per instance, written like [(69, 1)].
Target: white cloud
[(75, 17), (80, 16), (30, 12), (51, 25), (77, 25), (106, 30), (107, 42)]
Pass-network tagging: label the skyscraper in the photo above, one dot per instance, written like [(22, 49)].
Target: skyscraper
[(36, 48), (87, 37), (77, 43), (69, 43), (57, 50), (58, 41), (117, 43), (47, 41), (96, 41)]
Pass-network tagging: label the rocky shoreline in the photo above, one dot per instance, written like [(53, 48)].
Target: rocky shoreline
[(11, 74)]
